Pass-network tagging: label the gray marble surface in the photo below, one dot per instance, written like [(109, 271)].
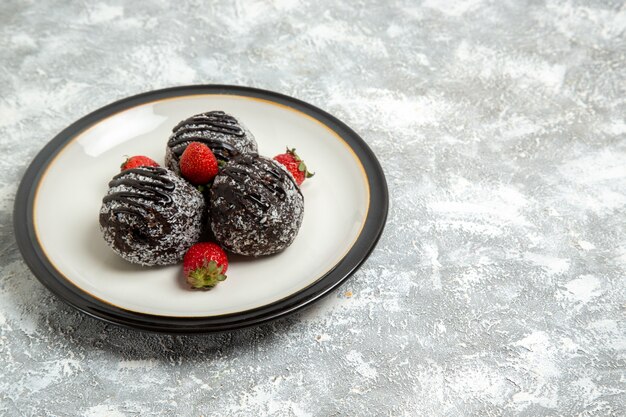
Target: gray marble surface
[(498, 287)]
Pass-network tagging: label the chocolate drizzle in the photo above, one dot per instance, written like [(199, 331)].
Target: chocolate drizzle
[(148, 184), (256, 208), (270, 178), (217, 121), (142, 190), (257, 199), (196, 129), (150, 216), (222, 150)]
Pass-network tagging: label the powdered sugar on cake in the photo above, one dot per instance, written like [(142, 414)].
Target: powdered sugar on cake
[(255, 206), (150, 216)]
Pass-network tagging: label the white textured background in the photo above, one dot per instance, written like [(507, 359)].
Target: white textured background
[(498, 287)]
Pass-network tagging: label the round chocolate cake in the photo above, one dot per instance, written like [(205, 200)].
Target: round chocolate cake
[(221, 132), (255, 206), (150, 216)]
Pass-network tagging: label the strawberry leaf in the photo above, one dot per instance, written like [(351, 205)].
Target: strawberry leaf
[(206, 276)]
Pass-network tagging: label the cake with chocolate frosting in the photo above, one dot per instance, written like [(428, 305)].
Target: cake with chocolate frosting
[(221, 132), (150, 216), (255, 206)]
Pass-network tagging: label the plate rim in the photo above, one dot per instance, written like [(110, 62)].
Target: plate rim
[(44, 270)]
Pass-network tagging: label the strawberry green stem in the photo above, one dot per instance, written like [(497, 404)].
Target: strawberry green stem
[(301, 165), (206, 277)]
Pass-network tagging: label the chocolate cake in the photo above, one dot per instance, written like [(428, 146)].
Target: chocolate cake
[(150, 216), (221, 132), (255, 206)]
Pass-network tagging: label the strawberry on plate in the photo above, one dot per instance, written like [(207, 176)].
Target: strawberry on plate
[(138, 161), (205, 265), (198, 164), (295, 165)]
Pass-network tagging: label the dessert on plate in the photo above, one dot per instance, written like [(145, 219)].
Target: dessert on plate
[(216, 182), (151, 216)]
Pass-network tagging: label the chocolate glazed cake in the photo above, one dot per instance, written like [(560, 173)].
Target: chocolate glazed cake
[(256, 208), (150, 216), (221, 132)]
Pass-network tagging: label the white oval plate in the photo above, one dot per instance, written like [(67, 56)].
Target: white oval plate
[(59, 199)]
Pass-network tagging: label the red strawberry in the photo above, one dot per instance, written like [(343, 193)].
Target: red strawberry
[(197, 164), (138, 161), (205, 265), (295, 165)]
